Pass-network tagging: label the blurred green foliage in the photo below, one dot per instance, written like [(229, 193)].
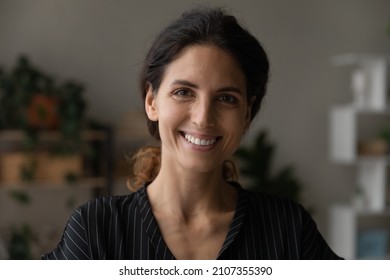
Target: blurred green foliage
[(256, 165), (21, 84)]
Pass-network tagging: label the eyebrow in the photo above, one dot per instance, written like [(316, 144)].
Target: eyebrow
[(192, 85), (184, 83)]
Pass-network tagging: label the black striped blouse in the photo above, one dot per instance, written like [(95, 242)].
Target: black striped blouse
[(123, 227)]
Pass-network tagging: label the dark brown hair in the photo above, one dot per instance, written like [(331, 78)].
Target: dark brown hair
[(204, 26)]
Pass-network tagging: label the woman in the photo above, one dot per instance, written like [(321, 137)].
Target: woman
[(202, 83)]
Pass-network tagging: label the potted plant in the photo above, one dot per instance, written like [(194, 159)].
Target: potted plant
[(255, 164), (31, 101)]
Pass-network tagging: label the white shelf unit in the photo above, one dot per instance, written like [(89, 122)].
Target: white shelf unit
[(348, 221), (349, 224)]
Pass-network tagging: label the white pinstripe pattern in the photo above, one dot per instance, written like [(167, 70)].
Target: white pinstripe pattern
[(123, 227)]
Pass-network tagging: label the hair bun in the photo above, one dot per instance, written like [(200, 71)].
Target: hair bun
[(146, 165)]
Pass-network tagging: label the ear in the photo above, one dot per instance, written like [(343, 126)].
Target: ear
[(150, 105)]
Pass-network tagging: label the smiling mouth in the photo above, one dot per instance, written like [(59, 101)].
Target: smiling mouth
[(203, 142)]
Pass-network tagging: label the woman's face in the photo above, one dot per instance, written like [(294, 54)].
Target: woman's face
[(201, 108)]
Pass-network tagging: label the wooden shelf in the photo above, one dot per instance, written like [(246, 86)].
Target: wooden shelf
[(18, 135), (96, 175), (97, 182)]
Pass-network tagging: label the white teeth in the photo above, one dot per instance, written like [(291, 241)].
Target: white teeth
[(200, 142)]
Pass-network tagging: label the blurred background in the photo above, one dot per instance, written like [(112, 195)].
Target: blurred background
[(71, 113)]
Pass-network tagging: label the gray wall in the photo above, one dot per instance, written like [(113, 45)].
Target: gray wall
[(102, 43)]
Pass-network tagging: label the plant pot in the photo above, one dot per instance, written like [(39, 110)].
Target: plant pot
[(11, 165)]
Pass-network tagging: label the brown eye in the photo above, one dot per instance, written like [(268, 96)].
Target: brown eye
[(229, 99), (182, 95), (182, 92)]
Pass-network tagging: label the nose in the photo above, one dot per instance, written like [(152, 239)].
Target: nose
[(203, 114)]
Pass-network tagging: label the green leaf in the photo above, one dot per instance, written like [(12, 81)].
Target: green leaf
[(21, 197), (256, 165)]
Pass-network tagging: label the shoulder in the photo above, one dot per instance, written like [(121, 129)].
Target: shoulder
[(271, 201), (97, 222), (262, 200), (279, 217), (275, 208), (272, 211), (106, 206), (110, 201)]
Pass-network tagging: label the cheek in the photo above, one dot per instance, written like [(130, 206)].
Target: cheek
[(235, 122), (170, 118), (234, 131), (171, 113)]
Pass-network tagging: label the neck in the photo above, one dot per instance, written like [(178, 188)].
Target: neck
[(189, 194)]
